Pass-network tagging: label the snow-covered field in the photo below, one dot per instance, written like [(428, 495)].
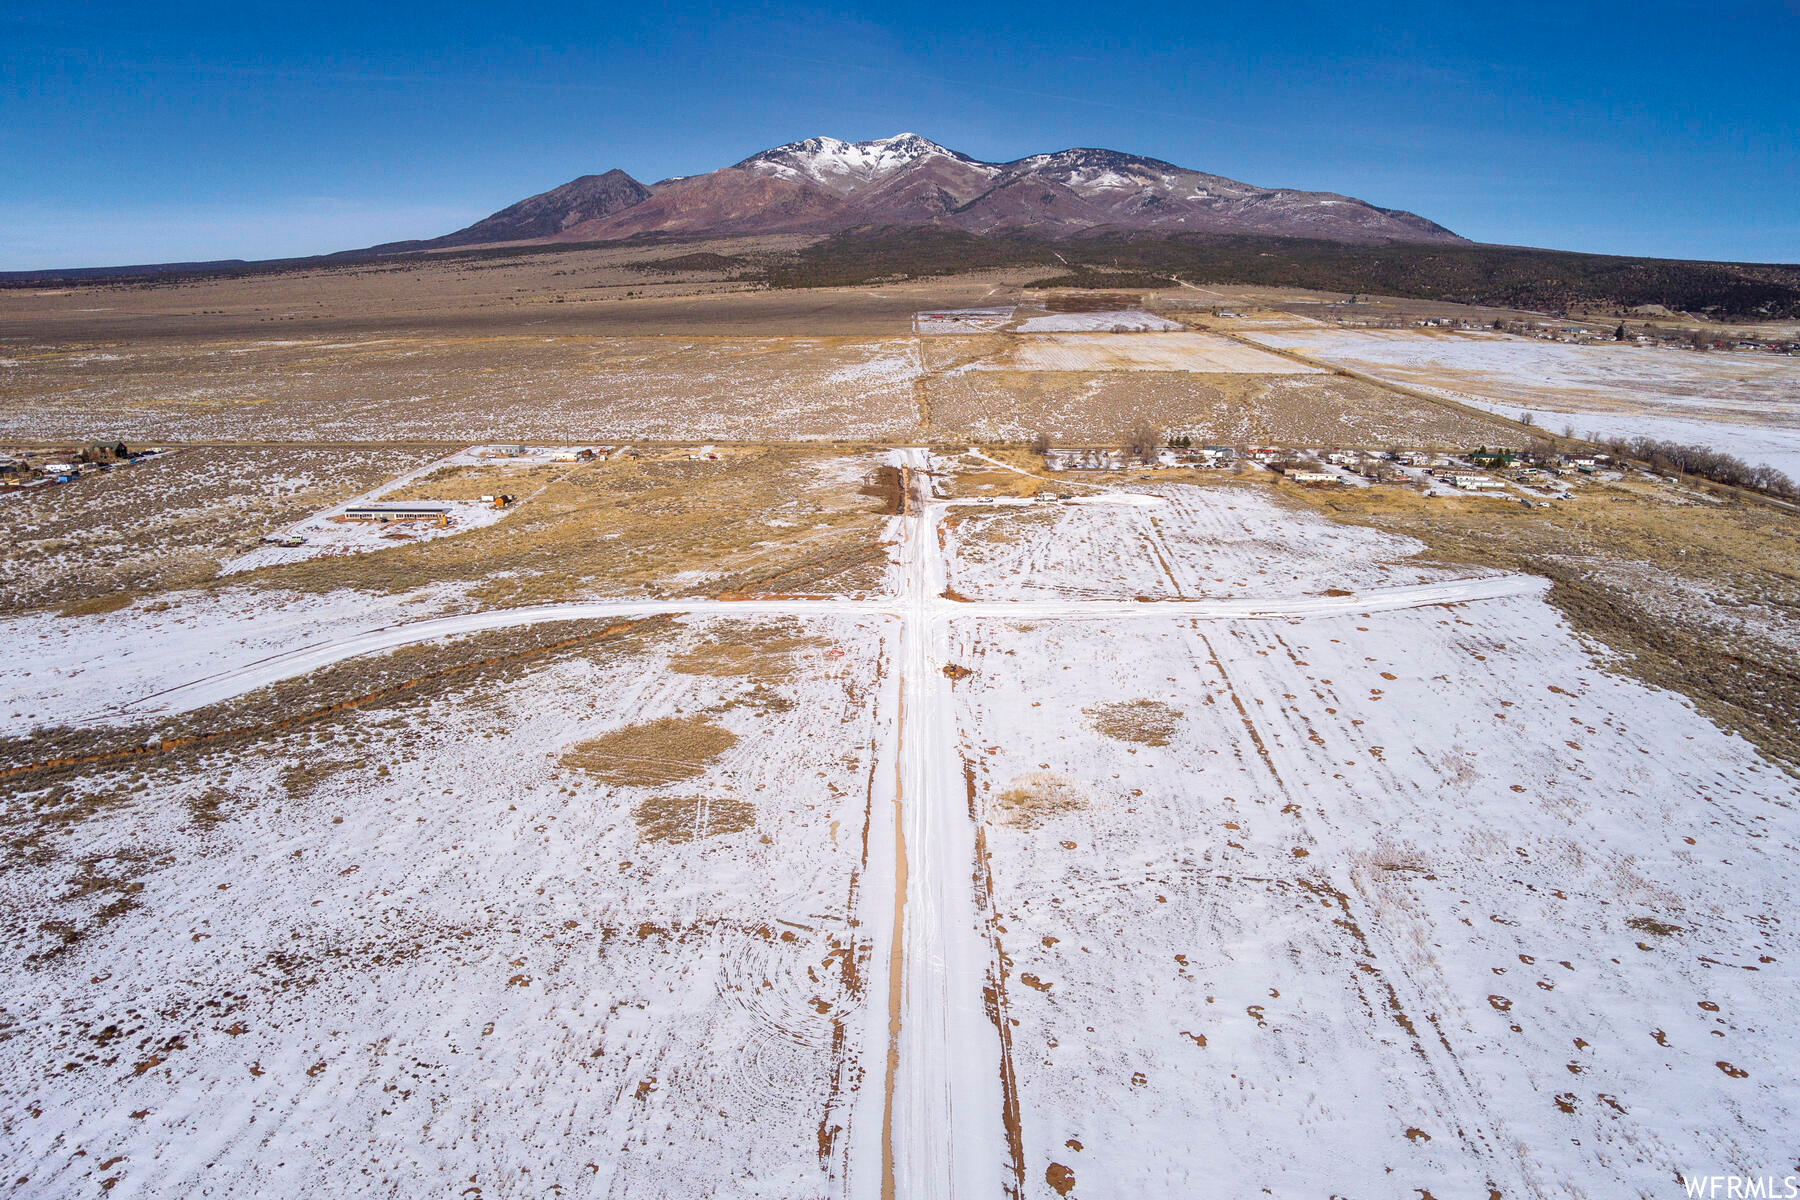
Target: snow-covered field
[(1197, 542), (1382, 902), (326, 533), (1100, 322), (1383, 913), (1170, 844), (962, 320), (1745, 404), (1136, 352), (48, 678), (440, 962)]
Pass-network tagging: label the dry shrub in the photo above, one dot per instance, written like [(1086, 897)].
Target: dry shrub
[(300, 780), (666, 750), (761, 651), (1038, 796), (684, 818), (92, 606), (1146, 722), (473, 482), (208, 808)]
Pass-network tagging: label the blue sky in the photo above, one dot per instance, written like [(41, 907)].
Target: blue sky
[(162, 132)]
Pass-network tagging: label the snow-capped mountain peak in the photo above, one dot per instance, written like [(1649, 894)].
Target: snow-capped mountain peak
[(844, 167)]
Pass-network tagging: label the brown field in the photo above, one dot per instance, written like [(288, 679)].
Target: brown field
[(500, 387), (471, 483), (666, 750), (582, 346), (170, 522), (775, 518), (1099, 408)]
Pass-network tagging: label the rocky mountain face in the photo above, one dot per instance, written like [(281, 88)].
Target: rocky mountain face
[(826, 185), (547, 215)]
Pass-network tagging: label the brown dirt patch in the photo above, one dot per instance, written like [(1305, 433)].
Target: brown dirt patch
[(300, 779), (676, 819), (1034, 798), (1146, 722), (764, 652), (885, 484), (94, 605), (666, 750)]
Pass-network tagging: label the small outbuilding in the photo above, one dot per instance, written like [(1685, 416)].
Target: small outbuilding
[(382, 514)]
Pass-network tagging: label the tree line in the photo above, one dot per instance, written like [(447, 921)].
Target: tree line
[(1678, 457)]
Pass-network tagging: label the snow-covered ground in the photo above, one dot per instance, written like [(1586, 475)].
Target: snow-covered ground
[(49, 675), (1745, 404), (446, 964), (1136, 352), (1417, 900), (1382, 915), (326, 533), (962, 320), (1100, 322), (1209, 847), (1219, 541)]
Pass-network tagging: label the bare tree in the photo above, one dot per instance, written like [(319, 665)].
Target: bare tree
[(1526, 418), (1040, 442), (1144, 441)]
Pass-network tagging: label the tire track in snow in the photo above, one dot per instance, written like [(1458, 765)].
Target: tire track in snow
[(1472, 1120)]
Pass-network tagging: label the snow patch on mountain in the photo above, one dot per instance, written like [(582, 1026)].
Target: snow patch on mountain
[(843, 167)]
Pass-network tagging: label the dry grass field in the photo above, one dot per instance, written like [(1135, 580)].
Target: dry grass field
[(578, 346), (763, 518), (1101, 408), (171, 521), (609, 388)]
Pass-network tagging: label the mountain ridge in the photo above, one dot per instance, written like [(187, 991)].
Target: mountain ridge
[(826, 185)]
